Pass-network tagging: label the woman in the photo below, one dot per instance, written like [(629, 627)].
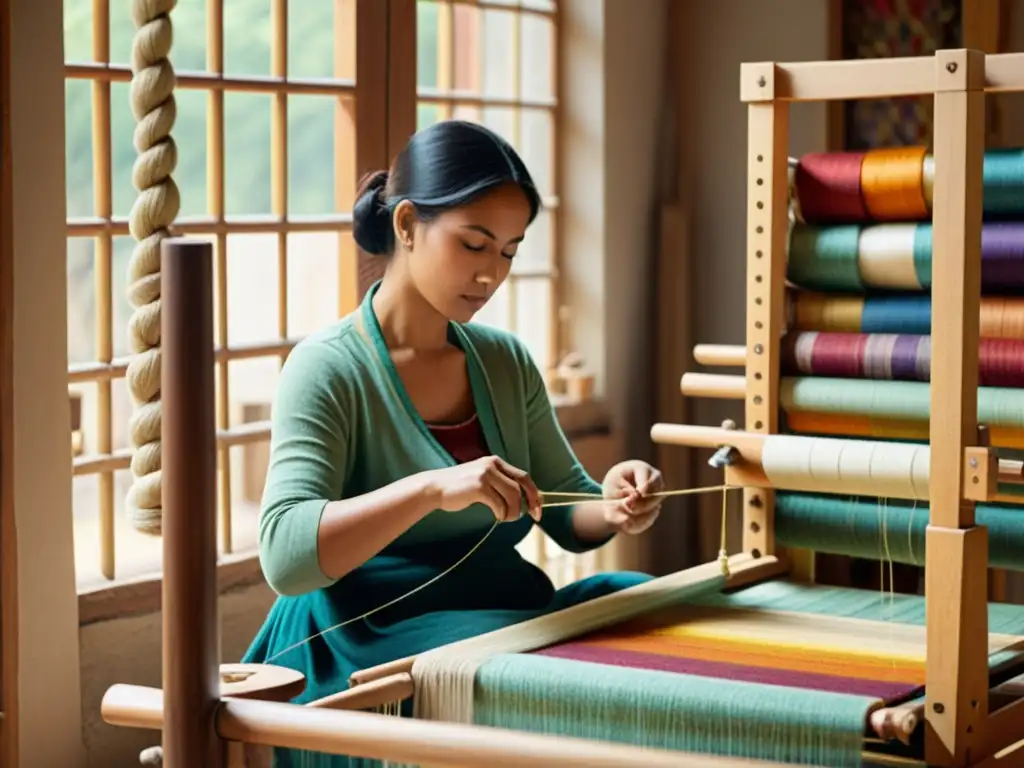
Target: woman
[(403, 431)]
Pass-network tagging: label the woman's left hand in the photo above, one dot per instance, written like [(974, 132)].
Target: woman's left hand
[(631, 484)]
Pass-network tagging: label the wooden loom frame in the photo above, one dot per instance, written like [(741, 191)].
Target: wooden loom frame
[(960, 729)]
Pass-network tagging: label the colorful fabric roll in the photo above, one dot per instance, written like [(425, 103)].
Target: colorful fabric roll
[(896, 184), (1001, 317), (893, 356), (822, 424), (889, 529), (895, 257), (898, 400)]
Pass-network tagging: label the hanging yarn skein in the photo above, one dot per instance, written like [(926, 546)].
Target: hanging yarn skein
[(154, 210)]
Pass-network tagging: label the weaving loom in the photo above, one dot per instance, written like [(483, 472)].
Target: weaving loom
[(737, 661), (855, 260)]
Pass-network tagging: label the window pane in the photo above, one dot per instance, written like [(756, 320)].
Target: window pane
[(122, 309), (312, 281), (78, 147), (310, 39), (247, 37), (535, 251), (537, 147), (534, 317), (252, 281), (78, 30), (426, 44), (537, 57), (499, 53), (247, 153), (81, 301), (251, 383), (311, 159)]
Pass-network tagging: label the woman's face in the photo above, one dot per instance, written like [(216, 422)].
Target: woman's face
[(460, 258)]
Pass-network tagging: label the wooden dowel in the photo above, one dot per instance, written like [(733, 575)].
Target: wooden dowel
[(725, 355), (722, 386), (396, 667), (191, 676), (398, 740), (749, 445), (372, 694), (898, 722)]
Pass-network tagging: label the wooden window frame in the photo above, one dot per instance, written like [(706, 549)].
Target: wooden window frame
[(386, 96)]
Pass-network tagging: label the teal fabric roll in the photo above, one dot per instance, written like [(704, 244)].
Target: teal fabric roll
[(885, 530)]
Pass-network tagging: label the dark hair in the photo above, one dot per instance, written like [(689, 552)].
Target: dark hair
[(447, 165)]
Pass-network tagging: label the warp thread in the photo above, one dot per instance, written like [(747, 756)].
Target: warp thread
[(579, 498)]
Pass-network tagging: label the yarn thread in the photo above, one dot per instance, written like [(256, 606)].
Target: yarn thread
[(580, 498), (154, 210)]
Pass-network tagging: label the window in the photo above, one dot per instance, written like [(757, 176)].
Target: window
[(495, 63), (268, 112), (266, 167)]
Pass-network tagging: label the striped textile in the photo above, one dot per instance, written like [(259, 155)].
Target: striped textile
[(732, 644)]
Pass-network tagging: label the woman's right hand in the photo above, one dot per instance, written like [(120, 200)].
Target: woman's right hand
[(490, 481)]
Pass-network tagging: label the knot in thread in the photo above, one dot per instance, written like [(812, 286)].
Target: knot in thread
[(150, 220)]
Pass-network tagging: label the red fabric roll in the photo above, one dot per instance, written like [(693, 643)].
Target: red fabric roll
[(828, 187)]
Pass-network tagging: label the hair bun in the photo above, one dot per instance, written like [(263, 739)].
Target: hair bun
[(371, 219)]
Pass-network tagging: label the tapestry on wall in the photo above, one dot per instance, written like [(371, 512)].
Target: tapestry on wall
[(886, 28)]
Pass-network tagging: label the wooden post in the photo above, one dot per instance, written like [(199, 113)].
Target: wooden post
[(956, 563), (191, 677), (767, 234)]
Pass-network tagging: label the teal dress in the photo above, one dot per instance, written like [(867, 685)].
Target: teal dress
[(343, 425)]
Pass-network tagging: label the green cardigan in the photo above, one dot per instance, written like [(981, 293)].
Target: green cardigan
[(343, 425)]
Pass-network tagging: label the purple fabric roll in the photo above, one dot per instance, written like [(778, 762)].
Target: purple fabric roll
[(1002, 255)]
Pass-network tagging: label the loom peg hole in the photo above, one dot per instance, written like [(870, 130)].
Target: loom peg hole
[(755, 501), (758, 425), (760, 205), (755, 528), (759, 254), (757, 377), (755, 553), (758, 324), (938, 707), (758, 349), (757, 399), (759, 229), (951, 67), (760, 182), (761, 81), (760, 158)]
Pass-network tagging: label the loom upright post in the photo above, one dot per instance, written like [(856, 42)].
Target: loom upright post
[(956, 565), (767, 234), (191, 676)]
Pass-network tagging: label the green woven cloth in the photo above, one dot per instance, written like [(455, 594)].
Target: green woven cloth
[(670, 711)]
